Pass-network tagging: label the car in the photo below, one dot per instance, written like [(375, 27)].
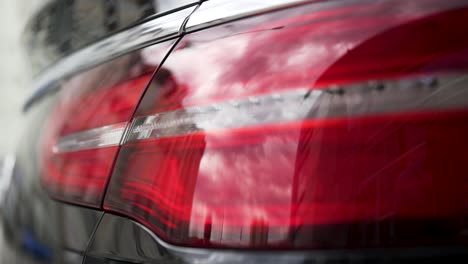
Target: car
[(220, 131)]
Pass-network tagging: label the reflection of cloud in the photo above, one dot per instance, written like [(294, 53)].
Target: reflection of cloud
[(254, 61), (210, 64)]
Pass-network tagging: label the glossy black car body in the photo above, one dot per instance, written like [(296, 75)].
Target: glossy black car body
[(104, 43)]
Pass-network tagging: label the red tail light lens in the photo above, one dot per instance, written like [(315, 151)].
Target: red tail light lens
[(306, 131), (84, 130)]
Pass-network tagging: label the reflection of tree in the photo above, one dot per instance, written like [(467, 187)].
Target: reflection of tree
[(259, 232)]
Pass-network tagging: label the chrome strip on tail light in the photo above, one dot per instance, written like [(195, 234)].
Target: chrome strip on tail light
[(90, 139), (369, 98)]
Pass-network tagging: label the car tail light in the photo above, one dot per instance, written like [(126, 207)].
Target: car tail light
[(284, 137), (299, 170)]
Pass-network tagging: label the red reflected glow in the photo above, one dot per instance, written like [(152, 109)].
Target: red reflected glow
[(90, 100), (79, 176), (103, 106)]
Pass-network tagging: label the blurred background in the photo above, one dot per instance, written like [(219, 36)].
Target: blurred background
[(15, 73), (15, 78)]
